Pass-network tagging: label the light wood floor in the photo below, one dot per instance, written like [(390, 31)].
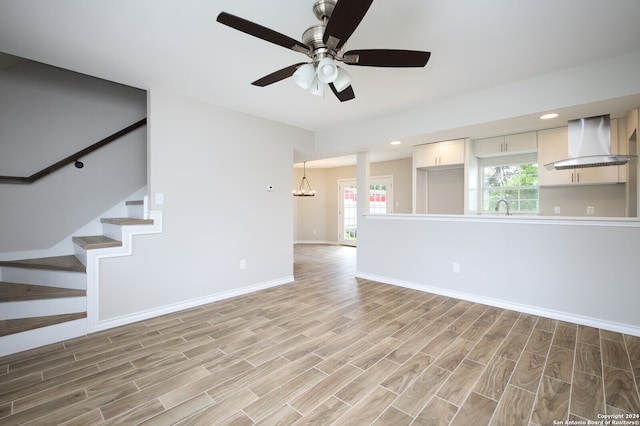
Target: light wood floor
[(328, 349)]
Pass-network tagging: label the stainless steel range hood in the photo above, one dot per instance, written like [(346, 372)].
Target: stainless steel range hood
[(590, 145)]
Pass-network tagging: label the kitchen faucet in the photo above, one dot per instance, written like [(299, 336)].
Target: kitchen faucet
[(505, 203)]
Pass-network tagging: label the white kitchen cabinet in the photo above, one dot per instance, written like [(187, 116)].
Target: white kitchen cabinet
[(439, 154), (521, 143), (553, 146)]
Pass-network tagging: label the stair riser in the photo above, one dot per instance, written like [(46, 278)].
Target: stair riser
[(136, 210), (63, 279), (112, 231), (42, 336), (38, 308)]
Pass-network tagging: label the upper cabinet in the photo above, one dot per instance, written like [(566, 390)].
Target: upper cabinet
[(438, 154), (521, 143), (553, 146)]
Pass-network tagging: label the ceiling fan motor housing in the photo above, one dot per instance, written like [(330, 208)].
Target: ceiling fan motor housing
[(323, 9)]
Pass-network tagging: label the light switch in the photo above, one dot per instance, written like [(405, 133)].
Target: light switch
[(159, 198)]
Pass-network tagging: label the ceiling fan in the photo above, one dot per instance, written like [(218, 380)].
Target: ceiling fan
[(324, 44)]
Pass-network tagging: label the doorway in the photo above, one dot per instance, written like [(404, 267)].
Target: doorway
[(380, 202)]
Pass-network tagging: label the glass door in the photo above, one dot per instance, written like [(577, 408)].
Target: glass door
[(380, 202)]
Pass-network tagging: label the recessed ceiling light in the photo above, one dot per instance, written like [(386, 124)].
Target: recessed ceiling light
[(396, 142), (548, 116)]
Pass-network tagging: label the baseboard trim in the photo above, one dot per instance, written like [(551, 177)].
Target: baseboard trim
[(505, 304), (176, 307)]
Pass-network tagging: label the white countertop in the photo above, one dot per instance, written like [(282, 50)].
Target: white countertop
[(518, 218)]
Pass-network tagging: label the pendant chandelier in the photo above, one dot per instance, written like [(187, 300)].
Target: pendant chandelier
[(304, 190)]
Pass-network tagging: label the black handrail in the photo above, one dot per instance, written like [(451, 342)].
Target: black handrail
[(72, 158)]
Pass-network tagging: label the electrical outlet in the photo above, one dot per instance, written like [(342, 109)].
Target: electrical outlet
[(591, 210), (159, 198), (556, 209), (243, 264), (456, 268)]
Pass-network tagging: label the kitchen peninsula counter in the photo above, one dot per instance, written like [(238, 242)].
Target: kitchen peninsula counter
[(584, 270)]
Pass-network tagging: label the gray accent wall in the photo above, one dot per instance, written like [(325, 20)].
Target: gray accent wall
[(47, 114)]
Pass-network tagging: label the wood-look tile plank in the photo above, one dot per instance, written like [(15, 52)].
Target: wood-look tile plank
[(476, 330), (40, 410), (454, 354), (413, 400), (612, 335), (273, 400), (439, 343), (495, 378), (393, 416), (264, 384), (525, 324), (565, 336), (546, 324), (400, 379), (514, 407), (283, 416), (633, 347), (462, 381), (587, 397), (369, 408), (325, 388), (408, 349), (376, 353), (513, 346), (528, 371), (485, 349), (553, 403), (559, 363), (614, 354), (588, 335), (437, 412), (361, 385), (539, 342), (138, 414), (217, 412), (326, 413), (180, 411), (129, 402), (620, 390), (477, 409), (588, 359)]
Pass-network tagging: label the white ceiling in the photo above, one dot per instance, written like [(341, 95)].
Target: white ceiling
[(178, 45)]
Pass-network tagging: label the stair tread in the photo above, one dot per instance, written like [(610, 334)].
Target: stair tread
[(13, 326), (91, 242), (135, 203), (13, 292), (126, 221), (56, 263)]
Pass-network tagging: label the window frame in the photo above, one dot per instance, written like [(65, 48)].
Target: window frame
[(506, 160)]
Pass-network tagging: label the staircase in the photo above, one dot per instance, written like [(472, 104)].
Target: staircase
[(44, 300)]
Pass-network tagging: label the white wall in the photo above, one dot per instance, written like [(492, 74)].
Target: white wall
[(584, 274), (212, 165), (47, 114)]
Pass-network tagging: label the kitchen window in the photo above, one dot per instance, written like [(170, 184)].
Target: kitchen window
[(515, 181)]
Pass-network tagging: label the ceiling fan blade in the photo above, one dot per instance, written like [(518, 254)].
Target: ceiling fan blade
[(346, 95), (264, 33), (275, 77), (387, 58), (345, 18)]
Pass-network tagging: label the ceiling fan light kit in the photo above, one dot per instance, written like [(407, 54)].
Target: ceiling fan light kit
[(304, 76), (324, 44)]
